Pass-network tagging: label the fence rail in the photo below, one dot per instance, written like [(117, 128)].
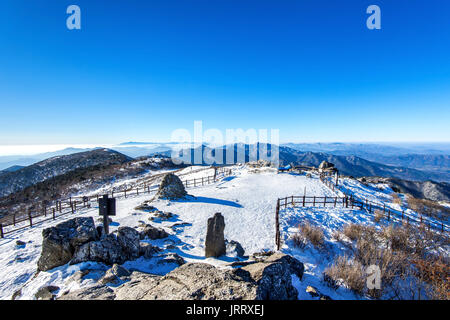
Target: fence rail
[(351, 203), (72, 204)]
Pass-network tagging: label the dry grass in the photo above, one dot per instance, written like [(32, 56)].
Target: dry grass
[(378, 216), (348, 271), (437, 274), (308, 233), (396, 199), (403, 255)]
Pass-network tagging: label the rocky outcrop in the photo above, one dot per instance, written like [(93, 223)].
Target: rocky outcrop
[(171, 187), (265, 280), (60, 242), (106, 250), (111, 249), (215, 240)]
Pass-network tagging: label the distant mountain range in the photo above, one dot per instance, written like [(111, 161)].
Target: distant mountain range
[(17, 180), (408, 162)]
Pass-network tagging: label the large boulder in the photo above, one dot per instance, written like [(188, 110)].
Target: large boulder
[(265, 280), (215, 240), (107, 250), (61, 241), (111, 249), (171, 188)]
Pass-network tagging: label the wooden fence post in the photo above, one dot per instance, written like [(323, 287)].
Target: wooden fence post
[(304, 198), (54, 211), (14, 219), (325, 201), (30, 218), (277, 225), (1, 231)]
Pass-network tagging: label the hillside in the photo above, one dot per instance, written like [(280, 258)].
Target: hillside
[(358, 167), (435, 191), (11, 182)]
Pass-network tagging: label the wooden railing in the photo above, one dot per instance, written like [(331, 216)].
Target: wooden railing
[(349, 202), (72, 204)]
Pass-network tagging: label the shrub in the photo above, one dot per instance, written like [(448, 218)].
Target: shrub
[(396, 199), (437, 274), (378, 216), (347, 271), (308, 233)]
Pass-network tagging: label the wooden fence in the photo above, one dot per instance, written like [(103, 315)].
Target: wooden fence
[(349, 202), (72, 204)]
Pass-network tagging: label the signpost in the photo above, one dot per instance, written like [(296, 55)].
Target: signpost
[(106, 207)]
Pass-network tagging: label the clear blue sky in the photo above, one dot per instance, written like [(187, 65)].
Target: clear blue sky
[(140, 69)]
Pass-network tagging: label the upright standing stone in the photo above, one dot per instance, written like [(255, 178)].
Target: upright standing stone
[(215, 240)]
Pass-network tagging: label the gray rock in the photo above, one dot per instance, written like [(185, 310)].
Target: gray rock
[(60, 242), (152, 233), (147, 250), (16, 294), (215, 241), (172, 257), (295, 266), (129, 240), (111, 249), (108, 250), (171, 188), (20, 243), (115, 275), (145, 206), (46, 293), (199, 281), (234, 249), (98, 292)]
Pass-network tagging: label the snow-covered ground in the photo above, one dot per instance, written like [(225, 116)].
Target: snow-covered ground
[(246, 199)]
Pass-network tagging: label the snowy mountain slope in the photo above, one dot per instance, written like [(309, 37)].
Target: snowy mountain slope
[(247, 199)]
